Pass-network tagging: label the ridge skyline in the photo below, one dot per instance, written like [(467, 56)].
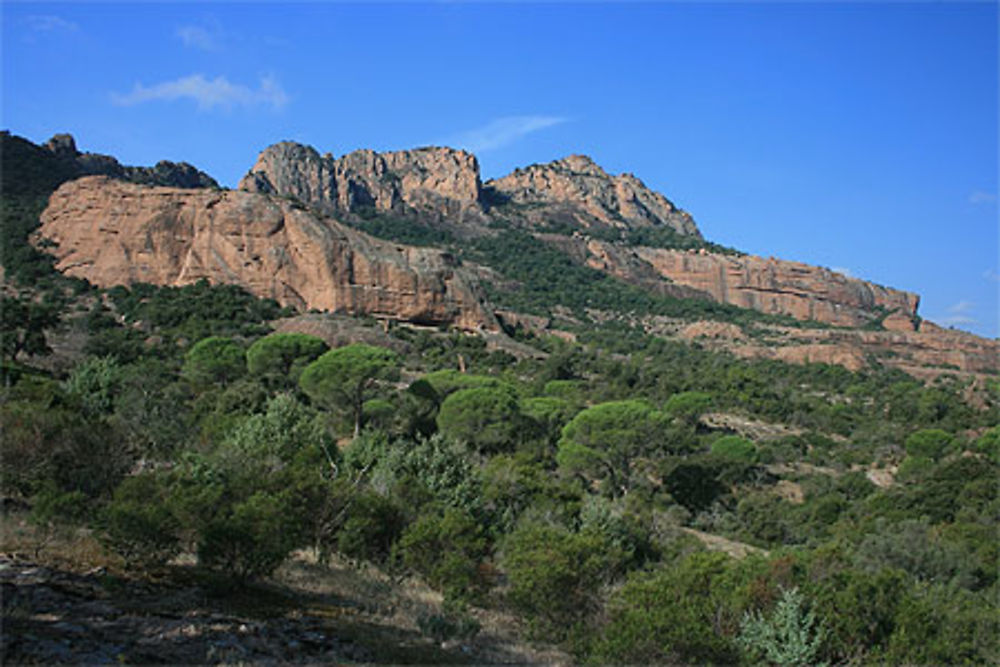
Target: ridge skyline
[(829, 134)]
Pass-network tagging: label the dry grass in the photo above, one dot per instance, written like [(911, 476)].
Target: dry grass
[(67, 548), (366, 594), (358, 602)]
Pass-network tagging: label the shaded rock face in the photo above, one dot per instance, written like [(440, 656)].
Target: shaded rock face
[(441, 182), (115, 233), (575, 191), (173, 174)]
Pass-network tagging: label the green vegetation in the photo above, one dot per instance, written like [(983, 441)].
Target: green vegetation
[(791, 636), (661, 237), (28, 175), (343, 378), (544, 277), (558, 488), (576, 488), (402, 230), (282, 357)]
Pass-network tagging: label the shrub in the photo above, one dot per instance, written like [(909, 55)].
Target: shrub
[(447, 550), (373, 525), (138, 524), (790, 636), (669, 616), (250, 540), (556, 576), (735, 448)]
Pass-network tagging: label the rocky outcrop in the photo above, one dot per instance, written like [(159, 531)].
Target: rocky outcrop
[(769, 285), (57, 616), (444, 184), (441, 182), (575, 192), (622, 262), (927, 353), (172, 174), (114, 233)]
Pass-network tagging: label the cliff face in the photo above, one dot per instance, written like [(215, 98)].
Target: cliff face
[(113, 233), (787, 288), (436, 181), (577, 192), (773, 286), (263, 238)]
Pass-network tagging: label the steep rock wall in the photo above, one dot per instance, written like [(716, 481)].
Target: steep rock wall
[(784, 288), (439, 181), (112, 233)]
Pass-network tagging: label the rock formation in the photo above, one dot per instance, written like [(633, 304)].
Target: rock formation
[(444, 184), (441, 182), (926, 353), (276, 237), (783, 288), (173, 174), (576, 192), (114, 233)]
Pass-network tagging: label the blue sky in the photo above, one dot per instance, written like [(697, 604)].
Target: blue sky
[(858, 136)]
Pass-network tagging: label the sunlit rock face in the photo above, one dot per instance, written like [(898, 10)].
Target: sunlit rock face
[(116, 233)]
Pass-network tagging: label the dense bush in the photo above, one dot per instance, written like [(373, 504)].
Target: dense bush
[(556, 576), (487, 418), (280, 358), (138, 524), (447, 549)]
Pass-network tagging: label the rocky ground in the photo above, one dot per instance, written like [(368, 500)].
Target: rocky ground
[(56, 612), (53, 616)]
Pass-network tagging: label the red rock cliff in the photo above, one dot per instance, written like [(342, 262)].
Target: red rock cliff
[(114, 233)]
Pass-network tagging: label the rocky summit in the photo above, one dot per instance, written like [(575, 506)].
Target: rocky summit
[(174, 174), (432, 181), (575, 191)]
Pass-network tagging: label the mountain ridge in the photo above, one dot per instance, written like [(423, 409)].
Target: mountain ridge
[(571, 205)]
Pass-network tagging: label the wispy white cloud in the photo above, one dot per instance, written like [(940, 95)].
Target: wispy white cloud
[(982, 197), (502, 132), (992, 275), (207, 93), (49, 23), (842, 269), (959, 313), (199, 37)]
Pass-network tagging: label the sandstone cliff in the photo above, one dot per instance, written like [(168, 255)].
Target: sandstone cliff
[(113, 233), (264, 238), (440, 182), (576, 192), (773, 286), (786, 288), (444, 184)]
